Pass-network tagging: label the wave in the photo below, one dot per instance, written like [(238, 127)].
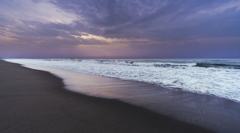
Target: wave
[(206, 65), (190, 76), (168, 65), (141, 64)]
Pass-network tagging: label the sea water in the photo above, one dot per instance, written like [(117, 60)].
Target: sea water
[(219, 77)]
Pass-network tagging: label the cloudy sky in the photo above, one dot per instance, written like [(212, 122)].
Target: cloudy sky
[(120, 28)]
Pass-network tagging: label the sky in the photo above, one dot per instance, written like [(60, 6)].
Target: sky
[(120, 28)]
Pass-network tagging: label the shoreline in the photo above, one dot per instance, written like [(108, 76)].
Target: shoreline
[(180, 74), (206, 111), (36, 101), (41, 68)]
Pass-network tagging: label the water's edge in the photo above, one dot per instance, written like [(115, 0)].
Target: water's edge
[(181, 74), (206, 111)]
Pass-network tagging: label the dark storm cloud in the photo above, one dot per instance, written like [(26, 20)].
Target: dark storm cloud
[(169, 20)]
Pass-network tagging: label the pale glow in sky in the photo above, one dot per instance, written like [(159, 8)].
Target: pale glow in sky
[(113, 41)]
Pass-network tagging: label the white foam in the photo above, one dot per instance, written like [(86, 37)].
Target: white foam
[(223, 83)]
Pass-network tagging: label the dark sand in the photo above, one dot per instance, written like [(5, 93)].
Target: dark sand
[(36, 101), (211, 112)]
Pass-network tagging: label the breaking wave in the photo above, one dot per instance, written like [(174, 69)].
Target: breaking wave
[(212, 77)]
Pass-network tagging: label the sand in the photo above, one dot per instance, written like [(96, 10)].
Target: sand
[(36, 101)]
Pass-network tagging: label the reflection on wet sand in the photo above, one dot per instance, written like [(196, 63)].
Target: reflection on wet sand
[(208, 111)]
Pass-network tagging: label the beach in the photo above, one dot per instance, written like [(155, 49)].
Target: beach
[(36, 101), (205, 109), (119, 66)]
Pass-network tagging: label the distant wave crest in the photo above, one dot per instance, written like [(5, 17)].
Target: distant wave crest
[(206, 65)]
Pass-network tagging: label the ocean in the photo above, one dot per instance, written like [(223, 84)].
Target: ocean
[(218, 77)]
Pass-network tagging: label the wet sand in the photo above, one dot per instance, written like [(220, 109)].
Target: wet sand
[(36, 101), (207, 111)]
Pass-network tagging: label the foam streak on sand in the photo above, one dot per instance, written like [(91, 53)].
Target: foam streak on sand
[(211, 77)]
